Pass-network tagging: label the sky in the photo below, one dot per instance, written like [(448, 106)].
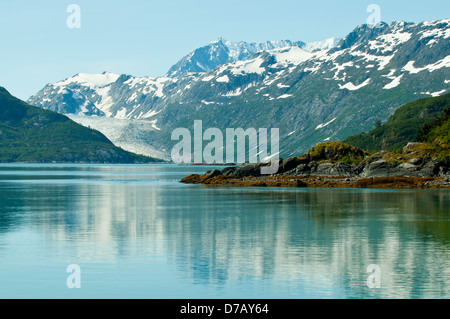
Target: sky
[(146, 37)]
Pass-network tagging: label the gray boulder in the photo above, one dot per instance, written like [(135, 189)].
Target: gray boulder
[(430, 169), (333, 169), (247, 170), (380, 168)]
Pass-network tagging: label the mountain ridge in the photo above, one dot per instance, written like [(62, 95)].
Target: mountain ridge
[(221, 51)]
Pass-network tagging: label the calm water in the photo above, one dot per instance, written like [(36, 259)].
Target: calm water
[(136, 232)]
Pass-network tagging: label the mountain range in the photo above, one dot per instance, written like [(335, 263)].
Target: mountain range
[(311, 92)]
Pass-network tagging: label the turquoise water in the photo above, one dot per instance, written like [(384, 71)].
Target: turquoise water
[(136, 232)]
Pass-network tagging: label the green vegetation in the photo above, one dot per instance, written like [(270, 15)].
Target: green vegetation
[(437, 131), (31, 134), (334, 152), (436, 136), (403, 125)]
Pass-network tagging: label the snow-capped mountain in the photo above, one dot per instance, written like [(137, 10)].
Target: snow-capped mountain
[(220, 52), (80, 94), (312, 95)]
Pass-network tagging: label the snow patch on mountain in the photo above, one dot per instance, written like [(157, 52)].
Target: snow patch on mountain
[(382, 60), (150, 114), (240, 50), (351, 87), (246, 67), (395, 82), (90, 80), (149, 85), (388, 42), (444, 63), (293, 55), (223, 79), (339, 68), (325, 125), (233, 93), (207, 78), (106, 100), (435, 94), (285, 96), (435, 33), (436, 22)]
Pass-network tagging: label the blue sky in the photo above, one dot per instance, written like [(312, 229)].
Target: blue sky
[(146, 37)]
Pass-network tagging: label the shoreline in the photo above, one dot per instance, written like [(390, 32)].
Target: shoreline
[(321, 182)]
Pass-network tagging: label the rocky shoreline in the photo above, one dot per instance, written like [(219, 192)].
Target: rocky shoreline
[(374, 171), (322, 182)]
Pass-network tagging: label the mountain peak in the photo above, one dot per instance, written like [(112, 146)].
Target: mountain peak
[(362, 33), (223, 51), (3, 91), (219, 40)]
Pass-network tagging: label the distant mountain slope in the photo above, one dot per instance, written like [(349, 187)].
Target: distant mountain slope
[(31, 134), (312, 97), (403, 126)]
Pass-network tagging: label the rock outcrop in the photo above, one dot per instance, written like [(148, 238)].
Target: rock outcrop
[(324, 168)]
